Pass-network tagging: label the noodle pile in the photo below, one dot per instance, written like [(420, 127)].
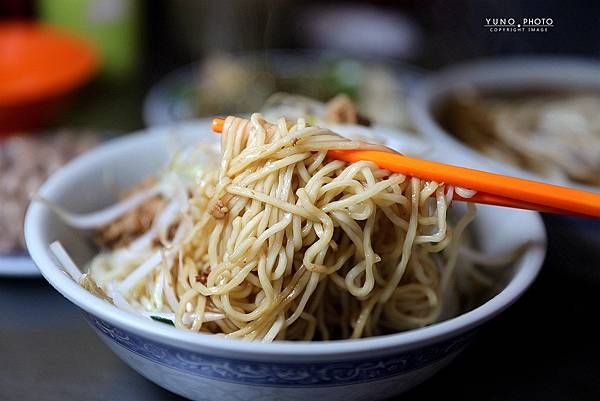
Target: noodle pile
[(280, 242)]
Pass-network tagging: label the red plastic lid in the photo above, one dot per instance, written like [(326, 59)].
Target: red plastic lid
[(37, 62)]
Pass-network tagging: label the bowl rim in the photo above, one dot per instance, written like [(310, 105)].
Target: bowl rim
[(492, 73), (528, 267)]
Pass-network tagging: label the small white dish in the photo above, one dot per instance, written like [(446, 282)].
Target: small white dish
[(201, 366)]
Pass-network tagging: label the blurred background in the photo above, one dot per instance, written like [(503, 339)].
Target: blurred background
[(76, 72), (140, 42)]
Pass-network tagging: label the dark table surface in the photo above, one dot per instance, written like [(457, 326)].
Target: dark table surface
[(545, 347)]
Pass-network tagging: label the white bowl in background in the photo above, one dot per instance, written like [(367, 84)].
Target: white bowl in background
[(180, 95), (202, 366), (512, 73)]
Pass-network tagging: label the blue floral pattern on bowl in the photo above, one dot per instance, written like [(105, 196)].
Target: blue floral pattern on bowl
[(277, 373)]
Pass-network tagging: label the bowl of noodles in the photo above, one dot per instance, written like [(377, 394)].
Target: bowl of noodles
[(252, 266), (531, 117), (242, 82)]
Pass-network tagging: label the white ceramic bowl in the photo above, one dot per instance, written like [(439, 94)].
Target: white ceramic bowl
[(202, 366), (180, 94), (518, 73)]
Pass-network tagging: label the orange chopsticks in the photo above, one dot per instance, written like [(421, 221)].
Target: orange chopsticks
[(493, 189)]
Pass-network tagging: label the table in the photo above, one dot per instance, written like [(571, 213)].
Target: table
[(545, 347)]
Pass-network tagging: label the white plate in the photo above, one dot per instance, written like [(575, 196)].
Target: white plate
[(19, 265)]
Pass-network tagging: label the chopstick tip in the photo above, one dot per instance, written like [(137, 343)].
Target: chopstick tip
[(217, 124)]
